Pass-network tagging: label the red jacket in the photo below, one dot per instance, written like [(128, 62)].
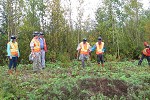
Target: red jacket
[(146, 51)]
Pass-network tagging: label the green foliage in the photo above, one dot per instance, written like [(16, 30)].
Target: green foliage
[(24, 47), (65, 59), (8, 91), (3, 45), (124, 26), (75, 83), (110, 57), (51, 56), (123, 35)]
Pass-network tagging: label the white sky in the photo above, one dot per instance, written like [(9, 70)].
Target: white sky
[(146, 3), (90, 7)]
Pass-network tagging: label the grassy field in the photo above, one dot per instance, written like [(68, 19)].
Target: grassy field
[(115, 81)]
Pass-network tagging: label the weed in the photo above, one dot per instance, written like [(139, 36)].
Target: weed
[(115, 81)]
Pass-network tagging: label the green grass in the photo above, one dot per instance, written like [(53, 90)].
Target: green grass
[(76, 83)]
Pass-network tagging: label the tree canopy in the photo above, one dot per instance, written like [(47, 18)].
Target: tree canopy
[(123, 24)]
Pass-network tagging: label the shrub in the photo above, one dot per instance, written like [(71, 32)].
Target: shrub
[(3, 45), (51, 56), (65, 59), (110, 57)]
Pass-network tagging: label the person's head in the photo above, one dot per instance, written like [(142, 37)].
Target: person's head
[(13, 38), (36, 34), (99, 39), (41, 34), (84, 40), (145, 44)]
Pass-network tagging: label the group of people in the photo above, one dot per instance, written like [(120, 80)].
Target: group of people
[(85, 49), (38, 49)]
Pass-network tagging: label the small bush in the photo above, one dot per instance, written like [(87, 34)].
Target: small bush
[(65, 59), (51, 56), (110, 57)]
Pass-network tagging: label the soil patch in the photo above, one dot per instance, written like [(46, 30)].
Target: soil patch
[(107, 87)]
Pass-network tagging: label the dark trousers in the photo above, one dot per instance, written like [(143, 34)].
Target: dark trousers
[(13, 62), (100, 58), (141, 59)]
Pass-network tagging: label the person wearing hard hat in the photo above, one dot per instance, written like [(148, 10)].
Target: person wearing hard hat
[(36, 51), (13, 54), (99, 47), (145, 54), (83, 48), (43, 49)]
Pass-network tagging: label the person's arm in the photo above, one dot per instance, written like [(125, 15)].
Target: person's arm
[(78, 49), (8, 50), (104, 49), (32, 46), (45, 46), (93, 48), (89, 47), (18, 51)]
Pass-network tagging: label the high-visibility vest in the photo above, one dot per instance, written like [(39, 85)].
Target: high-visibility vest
[(146, 51), (99, 48), (36, 47), (14, 48), (84, 48)]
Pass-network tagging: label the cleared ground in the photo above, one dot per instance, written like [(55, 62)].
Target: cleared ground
[(117, 80)]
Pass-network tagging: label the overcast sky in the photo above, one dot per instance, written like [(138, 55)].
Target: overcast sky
[(90, 7)]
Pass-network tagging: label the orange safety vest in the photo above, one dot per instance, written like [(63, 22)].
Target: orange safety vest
[(146, 51), (99, 48), (84, 48), (14, 48), (36, 45)]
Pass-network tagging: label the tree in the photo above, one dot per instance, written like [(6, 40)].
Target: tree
[(80, 10)]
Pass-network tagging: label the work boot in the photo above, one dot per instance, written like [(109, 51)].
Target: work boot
[(102, 65), (16, 72), (139, 63), (10, 72)]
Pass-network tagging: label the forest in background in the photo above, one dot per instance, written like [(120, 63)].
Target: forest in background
[(123, 24)]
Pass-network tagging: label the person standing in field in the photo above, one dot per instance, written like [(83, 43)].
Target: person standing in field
[(13, 54), (43, 48), (99, 47), (145, 54), (83, 48), (36, 52)]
